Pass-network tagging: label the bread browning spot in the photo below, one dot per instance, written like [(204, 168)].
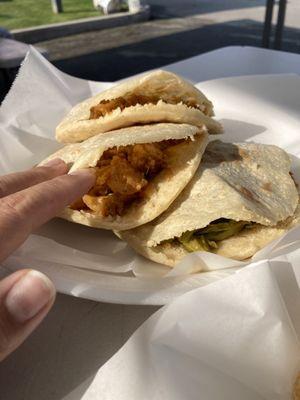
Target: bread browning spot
[(296, 391), (248, 194), (128, 100), (244, 154), (267, 186), (292, 176)]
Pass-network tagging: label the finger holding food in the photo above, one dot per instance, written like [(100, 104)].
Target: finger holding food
[(139, 172)]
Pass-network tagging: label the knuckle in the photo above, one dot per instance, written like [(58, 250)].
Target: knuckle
[(38, 175), (57, 184), (57, 190), (43, 172), (64, 185), (10, 210), (40, 199)]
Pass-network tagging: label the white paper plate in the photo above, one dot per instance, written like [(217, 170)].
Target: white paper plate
[(92, 263)]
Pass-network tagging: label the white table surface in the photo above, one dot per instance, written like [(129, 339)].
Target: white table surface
[(78, 336), (236, 61)]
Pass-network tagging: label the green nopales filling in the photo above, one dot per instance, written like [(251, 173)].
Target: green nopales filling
[(206, 239)]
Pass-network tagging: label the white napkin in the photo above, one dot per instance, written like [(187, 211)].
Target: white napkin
[(236, 339)]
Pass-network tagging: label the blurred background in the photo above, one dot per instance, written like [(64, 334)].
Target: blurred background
[(109, 40)]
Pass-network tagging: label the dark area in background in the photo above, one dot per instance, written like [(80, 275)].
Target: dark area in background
[(117, 63), (162, 9), (120, 62)]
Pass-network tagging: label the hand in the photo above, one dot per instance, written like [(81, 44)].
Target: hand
[(27, 200)]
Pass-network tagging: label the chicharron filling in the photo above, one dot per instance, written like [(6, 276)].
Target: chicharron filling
[(131, 99), (122, 176), (207, 239)]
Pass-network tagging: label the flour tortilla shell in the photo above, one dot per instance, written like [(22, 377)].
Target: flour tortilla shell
[(161, 191), (244, 181), (76, 126), (238, 247)]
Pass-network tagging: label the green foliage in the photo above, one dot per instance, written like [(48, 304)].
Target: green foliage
[(16, 14)]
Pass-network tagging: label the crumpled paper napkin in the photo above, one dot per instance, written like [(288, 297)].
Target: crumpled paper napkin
[(236, 339)]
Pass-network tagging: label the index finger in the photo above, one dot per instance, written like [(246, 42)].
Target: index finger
[(17, 181), (26, 210)]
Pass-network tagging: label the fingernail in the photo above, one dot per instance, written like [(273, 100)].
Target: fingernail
[(28, 296), (87, 172), (83, 172), (54, 162)]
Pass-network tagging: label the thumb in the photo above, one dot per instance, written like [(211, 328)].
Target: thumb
[(25, 298)]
